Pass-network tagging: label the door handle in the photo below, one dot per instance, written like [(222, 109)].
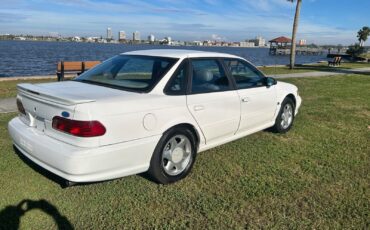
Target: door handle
[(198, 107), (245, 99)]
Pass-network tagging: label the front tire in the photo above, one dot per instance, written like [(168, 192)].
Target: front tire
[(174, 156), (285, 118)]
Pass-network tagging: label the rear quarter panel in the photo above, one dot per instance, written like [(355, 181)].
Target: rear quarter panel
[(148, 115)]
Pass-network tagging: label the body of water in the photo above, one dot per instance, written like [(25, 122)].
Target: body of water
[(28, 58)]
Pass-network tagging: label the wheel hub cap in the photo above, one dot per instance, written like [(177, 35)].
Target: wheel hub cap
[(287, 116), (177, 155)]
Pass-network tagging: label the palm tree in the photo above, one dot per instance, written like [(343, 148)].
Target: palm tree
[(295, 27), (362, 35)]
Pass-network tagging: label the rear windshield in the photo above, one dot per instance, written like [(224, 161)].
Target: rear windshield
[(129, 72)]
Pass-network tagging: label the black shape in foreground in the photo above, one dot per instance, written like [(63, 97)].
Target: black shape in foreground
[(11, 215)]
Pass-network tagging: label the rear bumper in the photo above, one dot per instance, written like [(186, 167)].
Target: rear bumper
[(79, 164)]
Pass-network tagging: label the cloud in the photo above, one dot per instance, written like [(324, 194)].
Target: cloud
[(267, 5), (177, 10), (184, 20), (189, 26), (215, 37), (11, 17), (137, 6)]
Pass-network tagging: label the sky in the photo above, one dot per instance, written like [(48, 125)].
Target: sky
[(321, 21)]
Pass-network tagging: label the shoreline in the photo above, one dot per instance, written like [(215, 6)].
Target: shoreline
[(35, 77), (34, 62), (51, 76)]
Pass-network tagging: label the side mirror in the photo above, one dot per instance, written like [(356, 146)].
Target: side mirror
[(269, 81)]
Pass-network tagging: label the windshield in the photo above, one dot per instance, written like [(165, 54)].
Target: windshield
[(129, 72)]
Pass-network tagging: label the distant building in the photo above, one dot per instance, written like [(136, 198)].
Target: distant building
[(207, 43), (136, 36), (109, 33), (121, 36), (258, 41), (197, 43), (247, 44), (169, 40), (76, 39), (178, 43), (151, 38), (20, 38), (92, 39), (302, 42)]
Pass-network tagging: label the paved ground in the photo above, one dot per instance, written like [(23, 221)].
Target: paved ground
[(323, 73), (8, 105)]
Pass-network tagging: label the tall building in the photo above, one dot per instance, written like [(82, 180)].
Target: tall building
[(169, 40), (302, 42), (151, 38), (136, 36), (259, 41), (109, 33), (121, 35)]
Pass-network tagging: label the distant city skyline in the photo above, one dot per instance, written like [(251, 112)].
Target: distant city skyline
[(322, 22)]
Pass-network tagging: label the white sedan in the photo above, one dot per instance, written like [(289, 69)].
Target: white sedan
[(150, 110)]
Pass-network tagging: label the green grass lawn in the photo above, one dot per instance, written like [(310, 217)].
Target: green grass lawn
[(9, 89), (311, 68), (365, 55), (317, 176)]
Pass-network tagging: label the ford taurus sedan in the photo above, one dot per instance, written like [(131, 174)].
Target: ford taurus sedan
[(150, 110)]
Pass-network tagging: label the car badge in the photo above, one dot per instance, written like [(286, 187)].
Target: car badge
[(65, 114)]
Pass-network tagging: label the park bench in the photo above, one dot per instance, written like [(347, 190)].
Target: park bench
[(76, 67), (335, 62)]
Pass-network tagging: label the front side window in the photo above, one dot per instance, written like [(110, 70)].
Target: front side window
[(244, 74), (208, 76), (129, 72)]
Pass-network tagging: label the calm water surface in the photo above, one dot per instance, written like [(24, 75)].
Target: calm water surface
[(27, 58)]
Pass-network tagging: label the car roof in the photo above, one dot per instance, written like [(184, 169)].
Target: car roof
[(178, 53)]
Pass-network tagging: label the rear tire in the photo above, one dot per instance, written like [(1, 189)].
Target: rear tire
[(285, 118), (174, 156)]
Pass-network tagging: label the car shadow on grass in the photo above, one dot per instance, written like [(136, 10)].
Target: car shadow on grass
[(11, 215)]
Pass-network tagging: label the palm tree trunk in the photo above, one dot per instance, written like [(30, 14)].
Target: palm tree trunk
[(295, 27)]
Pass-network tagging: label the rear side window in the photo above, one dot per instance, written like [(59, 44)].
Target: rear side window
[(177, 83), (244, 74), (208, 76), (129, 72)]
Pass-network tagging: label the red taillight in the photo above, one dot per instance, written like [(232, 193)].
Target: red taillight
[(20, 107), (79, 128)]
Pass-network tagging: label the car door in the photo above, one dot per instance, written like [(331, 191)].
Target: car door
[(258, 102), (212, 100)]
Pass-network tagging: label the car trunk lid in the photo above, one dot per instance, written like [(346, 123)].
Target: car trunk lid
[(42, 102)]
